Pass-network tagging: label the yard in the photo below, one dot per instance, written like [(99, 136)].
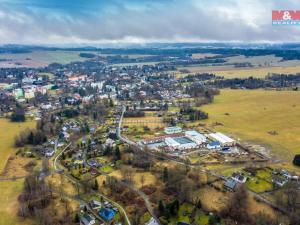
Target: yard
[(255, 115)]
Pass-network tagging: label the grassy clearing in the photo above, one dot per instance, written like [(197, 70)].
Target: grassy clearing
[(9, 203), (10, 189), (8, 132), (254, 113), (148, 178)]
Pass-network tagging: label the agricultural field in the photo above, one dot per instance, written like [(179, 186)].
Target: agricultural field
[(39, 58), (269, 118), (7, 138)]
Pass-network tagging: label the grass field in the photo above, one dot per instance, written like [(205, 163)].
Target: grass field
[(257, 72), (8, 131), (10, 189), (251, 114), (9, 203)]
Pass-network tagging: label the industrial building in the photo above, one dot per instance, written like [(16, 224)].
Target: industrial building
[(180, 143), (195, 137), (222, 139)]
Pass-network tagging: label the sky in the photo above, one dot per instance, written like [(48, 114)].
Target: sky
[(59, 22)]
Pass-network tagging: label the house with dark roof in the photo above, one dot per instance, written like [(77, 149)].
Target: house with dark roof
[(230, 184), (238, 177), (87, 219)]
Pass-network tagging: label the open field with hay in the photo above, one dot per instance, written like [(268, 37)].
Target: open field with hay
[(269, 118)]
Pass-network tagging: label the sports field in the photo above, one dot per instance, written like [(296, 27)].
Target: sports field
[(269, 118)]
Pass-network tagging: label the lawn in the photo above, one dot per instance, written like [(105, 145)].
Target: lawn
[(184, 213), (258, 185), (251, 115), (8, 131)]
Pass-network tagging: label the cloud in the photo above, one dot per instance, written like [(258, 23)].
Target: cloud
[(114, 21)]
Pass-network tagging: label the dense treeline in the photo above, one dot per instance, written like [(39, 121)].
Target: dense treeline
[(30, 137), (18, 115), (200, 90), (134, 113), (87, 55), (193, 114), (69, 113), (270, 81)]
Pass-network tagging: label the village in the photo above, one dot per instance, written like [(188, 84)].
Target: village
[(132, 144)]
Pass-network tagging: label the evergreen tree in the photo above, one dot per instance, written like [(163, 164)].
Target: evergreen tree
[(165, 174), (117, 153), (161, 207), (96, 185)]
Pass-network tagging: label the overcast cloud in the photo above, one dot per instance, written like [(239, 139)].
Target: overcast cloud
[(132, 21)]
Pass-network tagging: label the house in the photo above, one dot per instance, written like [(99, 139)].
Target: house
[(152, 221), (95, 204), (109, 142), (107, 214), (49, 152), (279, 181), (173, 130), (87, 219), (213, 145), (238, 177), (93, 162), (230, 184)]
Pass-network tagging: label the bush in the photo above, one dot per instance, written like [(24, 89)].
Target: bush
[(296, 160), (18, 115)]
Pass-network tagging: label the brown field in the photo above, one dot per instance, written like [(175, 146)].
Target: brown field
[(250, 115), (149, 179)]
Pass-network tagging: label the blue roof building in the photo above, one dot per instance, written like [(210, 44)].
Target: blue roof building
[(107, 214)]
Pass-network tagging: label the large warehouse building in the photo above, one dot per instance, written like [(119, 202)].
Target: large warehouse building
[(223, 139), (195, 137), (180, 143)]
